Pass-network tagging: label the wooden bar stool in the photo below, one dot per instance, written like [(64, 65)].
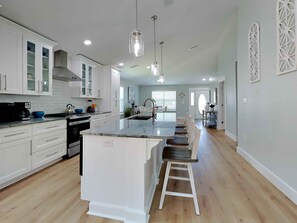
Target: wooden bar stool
[(185, 157), (182, 142), (182, 122), (182, 132)]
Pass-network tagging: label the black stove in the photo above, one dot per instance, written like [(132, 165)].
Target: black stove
[(75, 124)]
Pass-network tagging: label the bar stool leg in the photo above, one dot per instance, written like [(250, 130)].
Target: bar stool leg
[(193, 189), (165, 184)]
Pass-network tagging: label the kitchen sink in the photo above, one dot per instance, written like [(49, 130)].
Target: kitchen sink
[(142, 117)]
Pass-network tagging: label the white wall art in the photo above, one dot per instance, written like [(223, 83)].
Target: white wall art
[(254, 52), (286, 36)]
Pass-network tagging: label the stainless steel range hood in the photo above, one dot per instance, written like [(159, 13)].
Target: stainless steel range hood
[(60, 71)]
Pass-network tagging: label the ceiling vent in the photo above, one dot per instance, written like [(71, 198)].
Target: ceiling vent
[(168, 2), (134, 66), (193, 47)]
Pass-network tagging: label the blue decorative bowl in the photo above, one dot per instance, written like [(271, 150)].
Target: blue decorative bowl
[(38, 114), (78, 110)]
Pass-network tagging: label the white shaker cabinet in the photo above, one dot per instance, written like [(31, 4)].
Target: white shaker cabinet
[(10, 60), (100, 120), (37, 67), (28, 148), (48, 142), (111, 90), (115, 91), (15, 152), (89, 71), (26, 60)]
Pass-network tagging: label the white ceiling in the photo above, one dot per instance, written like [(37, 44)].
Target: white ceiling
[(107, 23)]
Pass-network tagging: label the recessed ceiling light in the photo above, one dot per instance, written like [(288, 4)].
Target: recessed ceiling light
[(1, 6), (193, 47), (87, 42), (210, 79), (121, 64), (148, 67), (204, 79)]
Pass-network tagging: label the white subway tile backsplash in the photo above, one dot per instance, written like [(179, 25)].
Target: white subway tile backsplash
[(51, 104)]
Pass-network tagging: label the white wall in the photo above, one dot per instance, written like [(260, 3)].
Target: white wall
[(226, 68), (126, 84), (267, 123)]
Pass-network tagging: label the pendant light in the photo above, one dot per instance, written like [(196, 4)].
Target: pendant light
[(155, 64), (162, 75), (136, 44)]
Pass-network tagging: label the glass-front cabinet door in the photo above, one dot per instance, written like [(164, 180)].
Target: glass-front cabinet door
[(83, 77), (45, 82), (90, 81), (31, 66), (87, 80), (37, 69)]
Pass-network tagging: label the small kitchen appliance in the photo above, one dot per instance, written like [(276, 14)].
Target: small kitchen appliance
[(11, 112), (22, 110)]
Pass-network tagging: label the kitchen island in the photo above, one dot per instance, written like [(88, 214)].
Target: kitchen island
[(121, 164)]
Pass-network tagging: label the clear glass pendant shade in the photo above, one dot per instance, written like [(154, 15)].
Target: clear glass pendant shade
[(161, 78), (136, 45), (155, 68)]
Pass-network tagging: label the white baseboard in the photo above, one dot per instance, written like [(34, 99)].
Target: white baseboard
[(230, 135), (275, 180), (116, 212)]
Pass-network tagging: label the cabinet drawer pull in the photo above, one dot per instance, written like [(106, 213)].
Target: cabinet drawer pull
[(38, 85), (5, 87), (0, 82), (16, 134), (51, 154), (51, 127), (53, 139)]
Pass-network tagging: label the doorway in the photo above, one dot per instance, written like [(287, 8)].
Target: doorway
[(221, 106), (198, 99)]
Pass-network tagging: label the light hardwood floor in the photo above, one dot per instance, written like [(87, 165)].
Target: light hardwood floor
[(229, 190)]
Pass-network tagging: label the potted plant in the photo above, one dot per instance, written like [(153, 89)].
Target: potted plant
[(127, 112)]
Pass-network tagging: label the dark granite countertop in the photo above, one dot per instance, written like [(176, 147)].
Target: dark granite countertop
[(100, 113), (29, 122), (162, 127)]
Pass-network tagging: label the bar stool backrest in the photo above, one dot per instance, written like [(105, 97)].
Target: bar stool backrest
[(190, 130), (188, 120), (195, 143)]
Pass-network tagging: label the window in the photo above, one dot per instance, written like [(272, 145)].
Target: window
[(121, 99), (192, 98), (165, 99), (201, 102)]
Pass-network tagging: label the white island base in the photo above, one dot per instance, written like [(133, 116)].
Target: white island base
[(120, 176)]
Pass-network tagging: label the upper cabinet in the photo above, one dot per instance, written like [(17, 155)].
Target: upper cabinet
[(37, 67), (26, 60), (111, 90), (10, 60), (90, 72), (115, 91)]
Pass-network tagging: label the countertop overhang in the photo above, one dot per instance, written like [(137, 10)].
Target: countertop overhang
[(161, 128)]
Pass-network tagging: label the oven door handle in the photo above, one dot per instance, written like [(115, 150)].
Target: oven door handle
[(79, 122)]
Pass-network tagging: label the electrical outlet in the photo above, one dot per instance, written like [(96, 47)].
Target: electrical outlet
[(245, 100), (107, 143)]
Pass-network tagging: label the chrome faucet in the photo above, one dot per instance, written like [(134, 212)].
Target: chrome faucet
[(153, 102)]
